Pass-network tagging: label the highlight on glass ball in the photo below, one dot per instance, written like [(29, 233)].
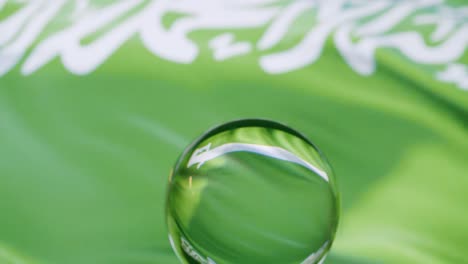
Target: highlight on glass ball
[(252, 191)]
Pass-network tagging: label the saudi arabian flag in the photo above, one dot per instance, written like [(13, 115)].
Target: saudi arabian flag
[(98, 98)]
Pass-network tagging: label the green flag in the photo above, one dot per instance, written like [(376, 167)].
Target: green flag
[(99, 98)]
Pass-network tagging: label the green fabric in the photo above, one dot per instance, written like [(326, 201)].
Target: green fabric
[(85, 158)]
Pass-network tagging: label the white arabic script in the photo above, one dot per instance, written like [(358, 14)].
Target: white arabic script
[(358, 29)]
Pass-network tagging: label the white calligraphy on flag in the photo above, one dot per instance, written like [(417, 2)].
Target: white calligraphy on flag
[(357, 28)]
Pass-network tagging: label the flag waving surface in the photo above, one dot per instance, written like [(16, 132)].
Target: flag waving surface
[(99, 98)]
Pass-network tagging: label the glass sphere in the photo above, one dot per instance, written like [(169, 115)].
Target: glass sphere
[(252, 191)]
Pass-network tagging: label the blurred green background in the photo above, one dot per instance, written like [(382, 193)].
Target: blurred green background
[(84, 158)]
